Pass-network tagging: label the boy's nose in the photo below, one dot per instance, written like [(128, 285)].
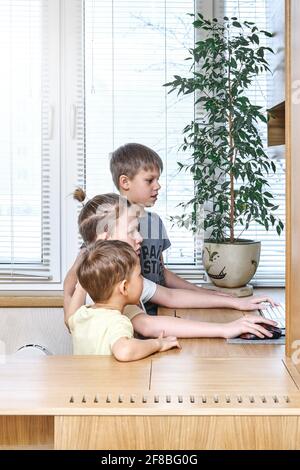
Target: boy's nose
[(139, 239), (157, 186)]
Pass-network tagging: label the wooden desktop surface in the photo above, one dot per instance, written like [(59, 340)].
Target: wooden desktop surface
[(70, 374)]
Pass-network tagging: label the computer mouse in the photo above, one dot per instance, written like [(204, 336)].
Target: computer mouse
[(273, 329)]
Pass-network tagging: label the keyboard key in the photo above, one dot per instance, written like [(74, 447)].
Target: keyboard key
[(276, 313)]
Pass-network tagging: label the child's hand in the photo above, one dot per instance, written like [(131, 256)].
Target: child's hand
[(167, 342), (253, 303), (248, 324)]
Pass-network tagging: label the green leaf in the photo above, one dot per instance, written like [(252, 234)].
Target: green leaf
[(268, 49), (266, 33), (233, 63)]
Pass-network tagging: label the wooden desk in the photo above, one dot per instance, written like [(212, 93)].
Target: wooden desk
[(158, 403), (190, 399)]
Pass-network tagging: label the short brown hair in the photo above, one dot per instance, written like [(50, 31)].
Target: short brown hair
[(99, 213), (129, 159), (105, 264)]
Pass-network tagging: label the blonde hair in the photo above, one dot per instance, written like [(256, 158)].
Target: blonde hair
[(99, 214), (129, 159)]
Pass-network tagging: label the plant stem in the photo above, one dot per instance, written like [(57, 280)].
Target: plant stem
[(231, 143)]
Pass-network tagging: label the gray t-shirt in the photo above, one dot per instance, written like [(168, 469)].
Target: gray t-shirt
[(155, 242)]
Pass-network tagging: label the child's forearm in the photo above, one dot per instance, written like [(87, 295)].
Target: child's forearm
[(70, 282), (151, 326), (75, 302), (183, 298), (178, 327), (133, 349), (174, 281)]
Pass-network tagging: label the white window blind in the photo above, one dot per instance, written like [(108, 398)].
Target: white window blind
[(271, 270), (72, 124), (29, 220), (131, 49)]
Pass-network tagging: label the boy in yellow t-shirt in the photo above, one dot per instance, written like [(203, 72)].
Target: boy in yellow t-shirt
[(110, 272)]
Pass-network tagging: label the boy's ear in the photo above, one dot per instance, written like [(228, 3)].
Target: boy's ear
[(124, 182), (123, 287)]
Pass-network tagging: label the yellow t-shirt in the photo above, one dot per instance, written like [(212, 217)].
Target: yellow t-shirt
[(95, 330)]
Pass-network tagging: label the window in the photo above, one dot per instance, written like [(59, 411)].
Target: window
[(29, 220)]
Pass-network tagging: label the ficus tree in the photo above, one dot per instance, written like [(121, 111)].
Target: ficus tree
[(228, 162)]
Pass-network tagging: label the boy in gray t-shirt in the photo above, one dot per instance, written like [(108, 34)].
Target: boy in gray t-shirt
[(135, 170)]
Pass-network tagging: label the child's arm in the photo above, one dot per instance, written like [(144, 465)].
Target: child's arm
[(150, 326), (131, 349), (174, 281), (76, 301), (70, 282), (184, 298)]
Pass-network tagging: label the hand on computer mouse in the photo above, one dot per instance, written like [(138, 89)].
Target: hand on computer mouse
[(276, 333), (254, 324)]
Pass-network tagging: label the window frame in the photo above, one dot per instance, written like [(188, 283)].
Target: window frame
[(32, 273)]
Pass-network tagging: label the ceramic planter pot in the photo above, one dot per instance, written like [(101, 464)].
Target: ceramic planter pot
[(231, 264)]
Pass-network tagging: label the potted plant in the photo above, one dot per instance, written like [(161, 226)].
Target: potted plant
[(228, 163)]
